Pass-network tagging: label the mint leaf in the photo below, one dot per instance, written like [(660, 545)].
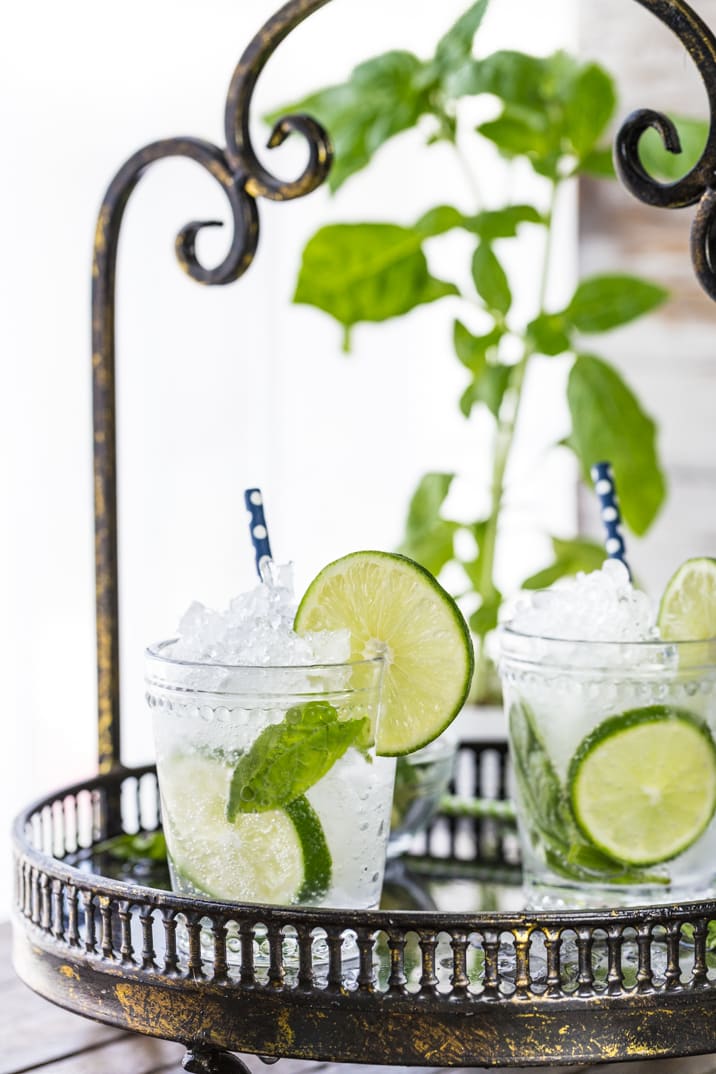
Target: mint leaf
[(144, 846), (601, 303), (429, 538), (367, 272), (609, 423), (290, 757)]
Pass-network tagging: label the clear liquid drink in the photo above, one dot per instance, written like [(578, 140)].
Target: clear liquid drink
[(270, 787), (614, 761)]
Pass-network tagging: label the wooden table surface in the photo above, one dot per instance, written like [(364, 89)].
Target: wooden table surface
[(36, 1036)]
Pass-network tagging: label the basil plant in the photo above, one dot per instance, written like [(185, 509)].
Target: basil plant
[(554, 112)]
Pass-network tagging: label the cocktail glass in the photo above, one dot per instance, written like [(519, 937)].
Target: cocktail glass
[(270, 788), (563, 698)]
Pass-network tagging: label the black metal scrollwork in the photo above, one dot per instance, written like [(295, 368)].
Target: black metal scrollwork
[(243, 179), (699, 185), (205, 1060)]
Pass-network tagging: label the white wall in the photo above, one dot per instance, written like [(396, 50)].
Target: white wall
[(219, 388)]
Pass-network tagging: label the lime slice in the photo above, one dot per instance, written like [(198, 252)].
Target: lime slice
[(643, 784), (688, 607), (278, 856), (393, 606)]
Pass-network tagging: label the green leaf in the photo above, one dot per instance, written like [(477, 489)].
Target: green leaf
[(503, 223), (473, 350), (608, 423), (144, 846), (287, 758), (588, 108), (367, 272), (487, 387), (429, 538), (515, 136), (382, 97), (547, 334), (491, 280), (553, 109), (599, 164), (570, 558), (439, 220), (484, 619), (456, 45), (604, 302), (662, 164)]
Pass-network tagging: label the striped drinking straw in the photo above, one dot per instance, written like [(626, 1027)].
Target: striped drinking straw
[(605, 489)]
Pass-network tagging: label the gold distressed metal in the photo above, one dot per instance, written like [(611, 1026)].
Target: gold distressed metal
[(425, 988), (133, 956)]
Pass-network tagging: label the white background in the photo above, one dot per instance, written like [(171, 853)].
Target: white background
[(219, 388)]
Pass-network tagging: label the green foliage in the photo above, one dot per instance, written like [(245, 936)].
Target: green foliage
[(609, 423), (553, 112), (367, 272), (289, 757), (429, 538), (662, 164), (570, 557)]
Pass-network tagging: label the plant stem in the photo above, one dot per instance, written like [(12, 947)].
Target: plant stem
[(504, 438)]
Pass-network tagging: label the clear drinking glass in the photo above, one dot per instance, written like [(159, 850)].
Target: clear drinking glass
[(565, 698), (270, 787)]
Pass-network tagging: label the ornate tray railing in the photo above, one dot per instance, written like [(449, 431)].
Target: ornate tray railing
[(418, 986), (422, 987)]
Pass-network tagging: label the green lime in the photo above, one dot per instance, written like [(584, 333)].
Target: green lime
[(277, 856), (394, 607), (688, 607), (643, 784)]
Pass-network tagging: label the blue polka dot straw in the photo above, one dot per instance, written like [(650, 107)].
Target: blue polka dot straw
[(605, 489), (254, 501)]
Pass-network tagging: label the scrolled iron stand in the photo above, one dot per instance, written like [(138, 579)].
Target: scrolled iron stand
[(109, 949)]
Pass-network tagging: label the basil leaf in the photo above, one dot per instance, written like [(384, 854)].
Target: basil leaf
[(456, 45), (608, 423), (570, 558), (487, 387), (473, 350), (439, 220), (599, 163), (604, 302), (367, 272), (290, 757), (503, 223), (548, 335), (588, 107), (429, 539), (659, 162), (383, 96), (491, 280)]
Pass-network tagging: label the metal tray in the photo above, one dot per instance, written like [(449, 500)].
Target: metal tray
[(449, 975)]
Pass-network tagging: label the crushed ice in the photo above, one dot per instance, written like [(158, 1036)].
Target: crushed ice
[(602, 606), (256, 630)]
